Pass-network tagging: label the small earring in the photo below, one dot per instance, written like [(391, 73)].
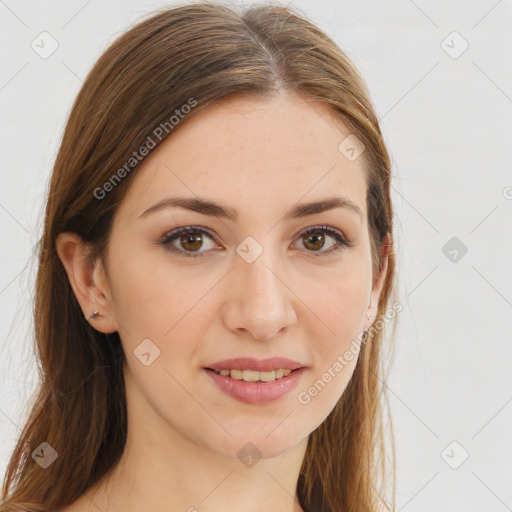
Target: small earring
[(370, 317), (94, 315)]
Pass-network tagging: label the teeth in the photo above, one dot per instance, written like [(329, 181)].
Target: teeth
[(253, 376), (237, 374)]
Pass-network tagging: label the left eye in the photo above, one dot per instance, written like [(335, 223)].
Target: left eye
[(314, 236), (191, 239)]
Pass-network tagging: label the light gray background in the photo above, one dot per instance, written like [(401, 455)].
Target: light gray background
[(446, 121)]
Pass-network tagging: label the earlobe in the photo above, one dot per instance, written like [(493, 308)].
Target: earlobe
[(85, 278)]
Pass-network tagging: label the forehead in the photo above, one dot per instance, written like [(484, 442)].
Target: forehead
[(253, 154)]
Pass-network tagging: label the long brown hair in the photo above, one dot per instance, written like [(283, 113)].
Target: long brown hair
[(204, 52)]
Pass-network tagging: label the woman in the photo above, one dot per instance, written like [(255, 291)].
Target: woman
[(215, 271)]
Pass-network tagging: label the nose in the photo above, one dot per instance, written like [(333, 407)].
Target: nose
[(259, 301)]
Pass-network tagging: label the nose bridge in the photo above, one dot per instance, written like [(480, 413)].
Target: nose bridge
[(258, 300), (260, 277)]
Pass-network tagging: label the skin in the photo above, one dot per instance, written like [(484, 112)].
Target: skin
[(260, 157)]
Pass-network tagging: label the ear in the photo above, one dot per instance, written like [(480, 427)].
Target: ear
[(379, 281), (88, 281)]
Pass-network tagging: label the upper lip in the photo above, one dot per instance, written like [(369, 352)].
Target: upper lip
[(249, 363)]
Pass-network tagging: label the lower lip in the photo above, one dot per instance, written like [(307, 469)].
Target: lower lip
[(256, 392)]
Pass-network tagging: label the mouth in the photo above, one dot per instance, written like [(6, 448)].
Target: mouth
[(255, 376)]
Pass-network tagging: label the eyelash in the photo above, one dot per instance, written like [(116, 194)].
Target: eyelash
[(173, 235)]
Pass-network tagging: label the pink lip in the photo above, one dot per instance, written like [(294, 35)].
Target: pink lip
[(249, 363), (256, 392)]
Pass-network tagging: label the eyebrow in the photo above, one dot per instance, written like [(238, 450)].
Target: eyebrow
[(213, 209)]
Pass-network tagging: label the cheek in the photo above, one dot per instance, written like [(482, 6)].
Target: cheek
[(336, 326), (172, 308), (335, 358), (151, 300), (337, 304)]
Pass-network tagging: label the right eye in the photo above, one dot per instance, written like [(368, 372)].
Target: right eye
[(190, 238)]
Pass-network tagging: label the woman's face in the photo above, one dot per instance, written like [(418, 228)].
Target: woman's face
[(251, 285)]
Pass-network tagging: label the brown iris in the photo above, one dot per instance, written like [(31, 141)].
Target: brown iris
[(315, 240), (195, 240)]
